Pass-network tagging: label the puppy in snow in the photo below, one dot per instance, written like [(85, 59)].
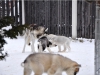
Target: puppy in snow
[(59, 41), (44, 43), (52, 64)]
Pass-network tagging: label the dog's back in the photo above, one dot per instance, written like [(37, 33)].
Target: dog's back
[(46, 59), (39, 58), (61, 39), (57, 39)]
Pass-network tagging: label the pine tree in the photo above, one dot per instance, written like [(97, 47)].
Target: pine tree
[(11, 33)]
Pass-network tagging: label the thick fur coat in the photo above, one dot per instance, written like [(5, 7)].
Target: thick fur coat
[(45, 43), (52, 64), (34, 32), (60, 41)]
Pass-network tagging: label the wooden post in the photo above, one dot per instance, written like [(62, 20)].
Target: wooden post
[(97, 39), (74, 19), (23, 13)]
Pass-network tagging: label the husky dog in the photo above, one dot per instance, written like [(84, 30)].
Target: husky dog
[(28, 39), (60, 40), (52, 64), (45, 43), (37, 30), (34, 32)]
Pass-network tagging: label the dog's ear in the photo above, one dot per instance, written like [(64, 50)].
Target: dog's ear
[(46, 29), (49, 43), (31, 26), (77, 66)]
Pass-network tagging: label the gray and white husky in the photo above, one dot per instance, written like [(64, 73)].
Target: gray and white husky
[(45, 43), (33, 33), (52, 64), (59, 41)]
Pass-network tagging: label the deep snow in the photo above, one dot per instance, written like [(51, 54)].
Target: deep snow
[(83, 53)]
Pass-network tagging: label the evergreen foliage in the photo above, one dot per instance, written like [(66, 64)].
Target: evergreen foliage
[(11, 33)]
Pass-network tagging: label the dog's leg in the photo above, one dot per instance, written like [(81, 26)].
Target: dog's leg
[(24, 47), (40, 48), (58, 72), (27, 71), (49, 49), (33, 41), (27, 40), (69, 49), (59, 47), (37, 67), (25, 44), (64, 47), (70, 72), (32, 47), (54, 69)]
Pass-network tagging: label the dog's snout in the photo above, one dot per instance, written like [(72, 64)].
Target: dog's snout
[(29, 44), (55, 45)]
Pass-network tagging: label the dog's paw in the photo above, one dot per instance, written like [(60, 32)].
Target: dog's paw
[(51, 52), (44, 51), (62, 51)]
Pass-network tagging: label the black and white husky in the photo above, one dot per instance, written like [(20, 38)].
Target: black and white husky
[(34, 32), (45, 43)]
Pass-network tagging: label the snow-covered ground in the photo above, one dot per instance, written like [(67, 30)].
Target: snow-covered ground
[(83, 53)]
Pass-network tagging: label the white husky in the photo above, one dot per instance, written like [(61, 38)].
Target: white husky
[(52, 64), (60, 40), (33, 33)]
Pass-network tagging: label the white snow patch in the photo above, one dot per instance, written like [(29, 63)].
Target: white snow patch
[(83, 53)]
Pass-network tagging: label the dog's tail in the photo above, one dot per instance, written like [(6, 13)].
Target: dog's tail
[(46, 30), (77, 68), (23, 63)]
